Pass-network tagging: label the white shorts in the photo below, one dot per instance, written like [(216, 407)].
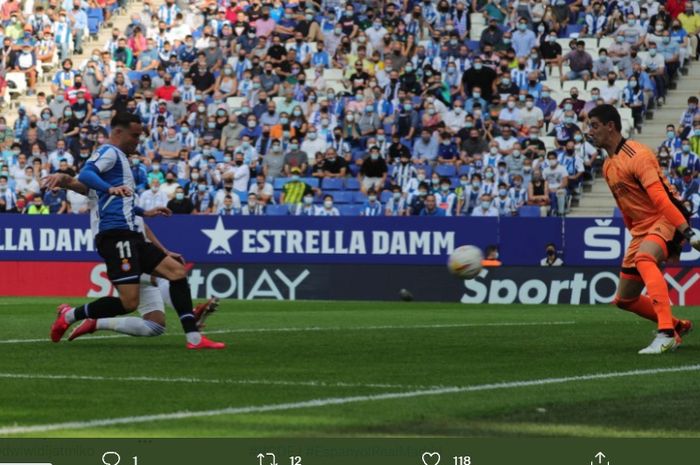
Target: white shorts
[(150, 298)]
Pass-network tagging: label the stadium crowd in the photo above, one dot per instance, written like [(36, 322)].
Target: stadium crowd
[(431, 107)]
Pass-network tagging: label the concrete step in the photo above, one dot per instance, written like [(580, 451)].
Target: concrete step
[(119, 20)]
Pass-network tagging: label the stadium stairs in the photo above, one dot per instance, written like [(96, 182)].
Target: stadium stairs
[(598, 201), (120, 19)]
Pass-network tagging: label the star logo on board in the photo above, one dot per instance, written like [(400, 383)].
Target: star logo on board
[(219, 238)]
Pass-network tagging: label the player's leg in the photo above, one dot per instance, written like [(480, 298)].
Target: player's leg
[(201, 311), (653, 251), (120, 252), (151, 323), (175, 272)]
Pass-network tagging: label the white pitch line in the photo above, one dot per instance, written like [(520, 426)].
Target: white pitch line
[(327, 328), (18, 429), (155, 379)]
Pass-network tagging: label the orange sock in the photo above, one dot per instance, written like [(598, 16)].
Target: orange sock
[(656, 288), (642, 306)]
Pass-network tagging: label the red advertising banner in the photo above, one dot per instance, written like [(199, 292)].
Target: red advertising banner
[(529, 285)]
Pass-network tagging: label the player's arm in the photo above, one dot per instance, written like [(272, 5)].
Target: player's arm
[(65, 182)]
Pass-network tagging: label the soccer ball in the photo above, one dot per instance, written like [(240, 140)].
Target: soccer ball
[(465, 261)]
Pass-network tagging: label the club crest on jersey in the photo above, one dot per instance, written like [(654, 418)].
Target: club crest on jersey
[(126, 266)]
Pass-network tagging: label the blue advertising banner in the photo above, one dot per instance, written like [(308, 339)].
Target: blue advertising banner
[(316, 240)]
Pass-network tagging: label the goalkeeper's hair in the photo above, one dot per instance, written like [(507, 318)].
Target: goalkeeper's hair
[(606, 113)]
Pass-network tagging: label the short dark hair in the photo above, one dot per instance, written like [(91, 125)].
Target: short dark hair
[(124, 120), (606, 113)]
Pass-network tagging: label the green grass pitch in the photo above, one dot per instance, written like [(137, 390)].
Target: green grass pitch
[(352, 369)]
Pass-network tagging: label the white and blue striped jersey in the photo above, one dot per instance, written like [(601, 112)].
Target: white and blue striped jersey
[(93, 201), (115, 213)]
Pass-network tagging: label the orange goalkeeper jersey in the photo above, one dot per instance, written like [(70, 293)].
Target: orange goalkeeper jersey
[(628, 173)]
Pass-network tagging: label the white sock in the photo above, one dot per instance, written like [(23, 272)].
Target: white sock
[(70, 316), (132, 326), (194, 337), (164, 287)]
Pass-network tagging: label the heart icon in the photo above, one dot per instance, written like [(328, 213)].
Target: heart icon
[(431, 458)]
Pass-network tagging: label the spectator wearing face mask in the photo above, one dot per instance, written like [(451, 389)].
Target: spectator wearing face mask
[(686, 159), (327, 209), (373, 207), (431, 208), (153, 197), (538, 192), (557, 179), (180, 204), (373, 172), (396, 205), (551, 258), (417, 202), (254, 207), (485, 207)]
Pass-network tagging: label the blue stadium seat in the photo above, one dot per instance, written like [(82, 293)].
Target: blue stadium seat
[(573, 30), (342, 197), (360, 198), (183, 182), (94, 25), (277, 210), (354, 169), (352, 184), (276, 196), (332, 184), (428, 169), (386, 195), (617, 213), (529, 211), (280, 182), (455, 182), (474, 46), (464, 169), (446, 171), (134, 76), (243, 196), (349, 210), (313, 182)]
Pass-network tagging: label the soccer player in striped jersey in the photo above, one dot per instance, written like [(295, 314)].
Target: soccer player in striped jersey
[(656, 219), (121, 244), (154, 292)]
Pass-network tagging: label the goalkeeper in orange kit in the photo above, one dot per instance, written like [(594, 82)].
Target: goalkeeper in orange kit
[(656, 219)]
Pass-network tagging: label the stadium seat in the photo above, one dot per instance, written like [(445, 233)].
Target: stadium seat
[(134, 76), (280, 182), (349, 210), (332, 184), (352, 184), (277, 210), (313, 182), (386, 195), (464, 169), (617, 213), (354, 169), (343, 197), (359, 197), (428, 169), (446, 171), (529, 211), (573, 30), (94, 26), (243, 196)]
